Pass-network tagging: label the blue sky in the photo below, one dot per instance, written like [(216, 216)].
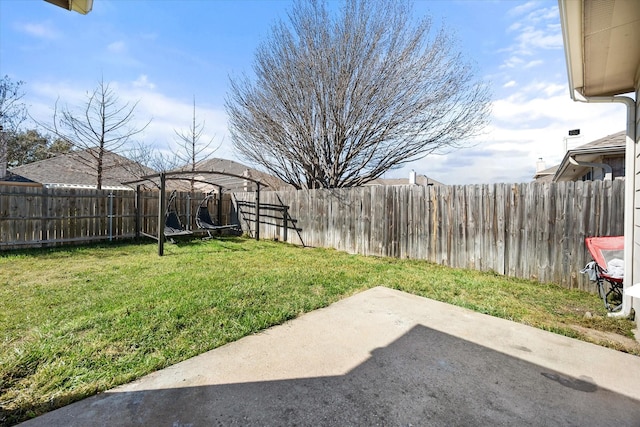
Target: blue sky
[(162, 53)]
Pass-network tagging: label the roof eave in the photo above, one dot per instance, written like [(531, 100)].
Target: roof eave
[(81, 6), (565, 164), (571, 23)]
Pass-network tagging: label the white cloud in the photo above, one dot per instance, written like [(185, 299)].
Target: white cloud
[(169, 114), (117, 47), (533, 63), (143, 82), (510, 83), (522, 8), (535, 29), (512, 62), (166, 114), (532, 38), (527, 124), (39, 30)]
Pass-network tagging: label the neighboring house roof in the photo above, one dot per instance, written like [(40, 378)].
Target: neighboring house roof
[(572, 166), (546, 175), (76, 170), (420, 180), (233, 183)]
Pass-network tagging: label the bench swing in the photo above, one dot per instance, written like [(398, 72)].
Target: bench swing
[(172, 225), (204, 220)]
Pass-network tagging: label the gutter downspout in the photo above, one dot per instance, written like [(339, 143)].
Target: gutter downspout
[(629, 159), (608, 171)]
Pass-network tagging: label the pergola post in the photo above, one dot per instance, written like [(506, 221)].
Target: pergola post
[(162, 200), (138, 210), (219, 204), (258, 211)]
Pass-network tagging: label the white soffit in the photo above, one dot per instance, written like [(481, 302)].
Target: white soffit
[(611, 46)]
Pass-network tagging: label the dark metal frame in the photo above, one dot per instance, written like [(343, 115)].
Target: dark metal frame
[(183, 175)]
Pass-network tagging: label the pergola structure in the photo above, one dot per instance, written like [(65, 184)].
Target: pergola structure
[(219, 179)]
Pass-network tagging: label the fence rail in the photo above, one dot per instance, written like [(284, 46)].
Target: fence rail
[(533, 231)]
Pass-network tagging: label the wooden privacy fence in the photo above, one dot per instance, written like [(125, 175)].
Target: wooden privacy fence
[(533, 230), (37, 217)]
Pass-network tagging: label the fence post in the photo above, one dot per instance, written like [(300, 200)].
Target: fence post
[(258, 212), (110, 215), (187, 220), (219, 207), (138, 207), (44, 234), (285, 225), (161, 208)]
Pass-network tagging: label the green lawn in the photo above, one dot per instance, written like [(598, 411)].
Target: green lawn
[(77, 321)]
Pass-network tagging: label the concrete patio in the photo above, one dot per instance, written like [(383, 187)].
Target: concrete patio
[(381, 357)]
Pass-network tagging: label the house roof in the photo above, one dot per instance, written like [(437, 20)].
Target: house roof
[(236, 168), (591, 30), (76, 170), (609, 145), (420, 180), (546, 175)]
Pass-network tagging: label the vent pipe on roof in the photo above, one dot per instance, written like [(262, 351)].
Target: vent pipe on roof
[(412, 177), (572, 140)]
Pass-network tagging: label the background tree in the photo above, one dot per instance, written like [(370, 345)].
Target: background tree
[(103, 124), (29, 146), (12, 113), (145, 157), (339, 100), (191, 150)]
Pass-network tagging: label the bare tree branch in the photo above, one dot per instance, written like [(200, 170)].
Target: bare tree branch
[(190, 149), (12, 113), (339, 100), (145, 157), (104, 124)]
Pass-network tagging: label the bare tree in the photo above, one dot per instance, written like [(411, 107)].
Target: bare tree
[(145, 160), (12, 113), (104, 124), (338, 100), (190, 149)]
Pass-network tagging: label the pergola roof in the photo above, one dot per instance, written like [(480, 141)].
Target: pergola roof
[(225, 180), (602, 45)]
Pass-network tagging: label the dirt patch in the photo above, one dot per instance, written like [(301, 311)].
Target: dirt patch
[(609, 339)]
